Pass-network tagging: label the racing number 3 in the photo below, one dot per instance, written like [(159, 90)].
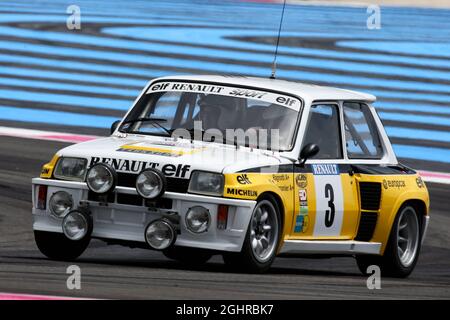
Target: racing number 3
[(329, 213)]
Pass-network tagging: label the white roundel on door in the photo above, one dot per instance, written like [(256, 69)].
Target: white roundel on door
[(329, 200)]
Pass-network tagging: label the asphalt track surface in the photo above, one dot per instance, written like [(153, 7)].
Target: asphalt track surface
[(51, 79), (113, 272)]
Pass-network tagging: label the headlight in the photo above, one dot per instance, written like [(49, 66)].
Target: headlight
[(197, 219), (206, 183), (151, 183), (71, 169), (101, 178), (60, 203)]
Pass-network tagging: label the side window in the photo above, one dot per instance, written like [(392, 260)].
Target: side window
[(324, 130), (361, 134)]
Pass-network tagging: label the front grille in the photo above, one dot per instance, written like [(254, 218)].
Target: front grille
[(367, 225), (130, 199), (370, 194), (173, 184)]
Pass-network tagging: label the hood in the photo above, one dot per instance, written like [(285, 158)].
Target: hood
[(175, 158)]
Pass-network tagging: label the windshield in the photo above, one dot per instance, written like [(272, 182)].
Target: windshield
[(216, 113)]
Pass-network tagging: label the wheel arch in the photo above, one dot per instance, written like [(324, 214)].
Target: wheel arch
[(280, 204), (421, 206)]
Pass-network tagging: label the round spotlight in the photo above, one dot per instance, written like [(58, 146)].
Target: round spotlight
[(198, 219), (76, 225), (151, 183), (60, 203), (160, 234), (101, 178)]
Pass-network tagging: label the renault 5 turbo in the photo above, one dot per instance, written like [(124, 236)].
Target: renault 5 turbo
[(247, 168)]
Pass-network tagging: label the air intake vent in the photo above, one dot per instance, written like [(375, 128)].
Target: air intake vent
[(370, 194), (367, 225)]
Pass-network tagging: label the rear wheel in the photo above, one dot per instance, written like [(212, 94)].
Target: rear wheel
[(188, 256), (261, 241), (57, 247), (403, 248)]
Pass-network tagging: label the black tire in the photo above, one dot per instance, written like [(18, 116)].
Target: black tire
[(57, 247), (188, 256), (390, 263), (246, 260)]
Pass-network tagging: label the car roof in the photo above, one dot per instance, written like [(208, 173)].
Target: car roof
[(306, 91)]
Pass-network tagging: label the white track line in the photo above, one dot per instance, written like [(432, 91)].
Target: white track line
[(428, 176)]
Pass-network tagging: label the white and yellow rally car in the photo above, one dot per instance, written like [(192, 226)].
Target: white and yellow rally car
[(248, 168)]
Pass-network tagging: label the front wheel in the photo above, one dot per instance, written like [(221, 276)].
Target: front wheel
[(261, 241), (402, 251), (57, 247)]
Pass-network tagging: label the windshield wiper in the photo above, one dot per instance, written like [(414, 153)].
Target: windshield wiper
[(154, 121)]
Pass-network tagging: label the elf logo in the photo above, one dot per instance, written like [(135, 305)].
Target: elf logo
[(243, 179), (134, 166)]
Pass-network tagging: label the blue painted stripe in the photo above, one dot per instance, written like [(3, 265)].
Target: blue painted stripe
[(218, 67), (221, 37), (409, 95), (55, 117), (242, 57), (422, 153), (442, 121), (84, 66), (404, 47), (67, 86), (413, 133), (412, 107), (71, 76), (150, 73), (65, 99)]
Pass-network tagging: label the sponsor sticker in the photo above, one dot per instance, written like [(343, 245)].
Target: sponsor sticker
[(242, 192), (301, 181), (302, 195), (394, 184), (301, 223), (420, 182), (325, 169), (243, 179), (135, 166), (280, 177), (280, 99)]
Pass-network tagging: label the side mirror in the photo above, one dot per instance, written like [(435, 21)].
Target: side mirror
[(114, 126), (308, 151)]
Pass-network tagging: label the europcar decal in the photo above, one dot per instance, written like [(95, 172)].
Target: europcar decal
[(280, 99), (394, 184), (134, 166)]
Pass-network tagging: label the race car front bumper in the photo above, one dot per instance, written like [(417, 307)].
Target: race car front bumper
[(118, 221)]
